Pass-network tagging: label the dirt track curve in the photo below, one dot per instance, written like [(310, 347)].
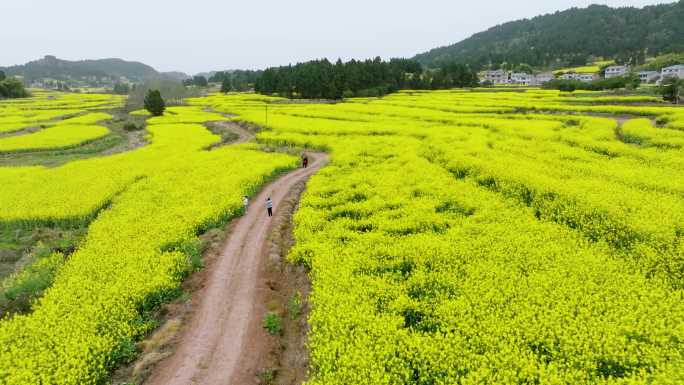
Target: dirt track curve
[(242, 133), (215, 347)]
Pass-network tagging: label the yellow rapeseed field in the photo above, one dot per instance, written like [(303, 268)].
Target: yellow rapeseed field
[(157, 199), (456, 237), (481, 237)]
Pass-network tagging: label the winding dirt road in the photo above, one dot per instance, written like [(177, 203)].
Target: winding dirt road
[(215, 347)]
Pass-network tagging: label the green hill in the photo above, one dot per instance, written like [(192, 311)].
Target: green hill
[(572, 37), (54, 68)]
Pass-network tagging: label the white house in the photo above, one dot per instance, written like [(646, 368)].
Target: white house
[(615, 71), (673, 71), (649, 76), (523, 79), (545, 77), (570, 76), (587, 78), (37, 84), (496, 77)]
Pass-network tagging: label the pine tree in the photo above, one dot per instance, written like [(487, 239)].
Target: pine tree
[(672, 89), (225, 85), (154, 103)]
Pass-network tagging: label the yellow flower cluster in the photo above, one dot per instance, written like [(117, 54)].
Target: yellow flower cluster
[(57, 120), (67, 133), (46, 108)]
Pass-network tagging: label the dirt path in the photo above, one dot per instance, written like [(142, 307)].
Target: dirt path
[(243, 134), (217, 347)]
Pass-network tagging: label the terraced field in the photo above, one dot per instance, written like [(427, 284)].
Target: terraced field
[(459, 236)]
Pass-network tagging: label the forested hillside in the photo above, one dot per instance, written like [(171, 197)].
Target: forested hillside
[(572, 37), (52, 67)]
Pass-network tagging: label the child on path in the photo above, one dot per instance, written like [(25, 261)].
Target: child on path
[(269, 206), (245, 202)]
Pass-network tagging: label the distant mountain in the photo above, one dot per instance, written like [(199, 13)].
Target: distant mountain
[(176, 75), (206, 74), (572, 37), (54, 68)]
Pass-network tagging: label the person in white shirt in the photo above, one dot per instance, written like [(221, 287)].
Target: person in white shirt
[(269, 206)]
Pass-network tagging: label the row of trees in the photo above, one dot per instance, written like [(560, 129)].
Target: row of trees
[(11, 87), (122, 88), (321, 79), (172, 91), (672, 89), (629, 82), (452, 75), (237, 80), (197, 81)]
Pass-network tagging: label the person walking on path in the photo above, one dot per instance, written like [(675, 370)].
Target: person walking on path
[(269, 206), (245, 202), (305, 160)]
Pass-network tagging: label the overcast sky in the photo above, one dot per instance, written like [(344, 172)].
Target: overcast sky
[(202, 35)]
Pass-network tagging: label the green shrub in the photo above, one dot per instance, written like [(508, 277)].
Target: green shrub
[(294, 305), (130, 126), (272, 323)]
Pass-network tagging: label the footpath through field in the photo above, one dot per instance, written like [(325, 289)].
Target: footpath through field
[(216, 348)]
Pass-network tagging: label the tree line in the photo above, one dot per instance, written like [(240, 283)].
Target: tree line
[(11, 87), (321, 79), (172, 91), (236, 80), (630, 81), (672, 90)]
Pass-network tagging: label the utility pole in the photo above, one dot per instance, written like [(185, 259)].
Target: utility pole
[(266, 105)]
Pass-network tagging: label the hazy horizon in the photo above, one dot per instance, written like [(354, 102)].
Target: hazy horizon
[(214, 35)]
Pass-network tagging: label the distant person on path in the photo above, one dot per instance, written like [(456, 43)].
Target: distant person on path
[(305, 160), (245, 202), (269, 206)]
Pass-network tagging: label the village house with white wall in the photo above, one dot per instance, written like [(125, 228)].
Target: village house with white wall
[(545, 77), (495, 77), (649, 76), (523, 79), (615, 71), (588, 77), (673, 71), (499, 77)]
